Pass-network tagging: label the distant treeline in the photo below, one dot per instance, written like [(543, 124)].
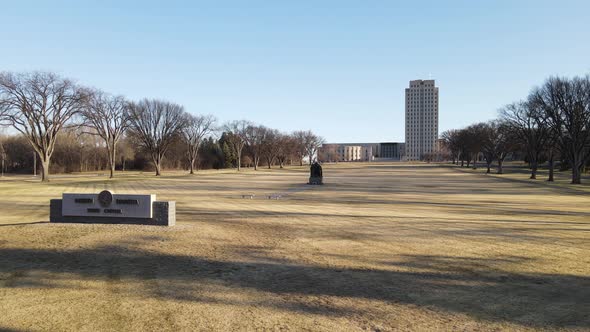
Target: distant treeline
[(551, 124), (62, 126), (76, 152)]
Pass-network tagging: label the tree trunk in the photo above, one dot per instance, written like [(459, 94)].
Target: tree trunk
[(112, 169), (551, 168), (192, 166), (534, 167), (158, 164), (239, 160), (112, 160), (489, 164), (462, 163), (194, 158), (45, 161), (500, 171), (576, 172)]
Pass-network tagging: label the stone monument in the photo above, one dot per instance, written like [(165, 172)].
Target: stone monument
[(109, 208), (316, 176)]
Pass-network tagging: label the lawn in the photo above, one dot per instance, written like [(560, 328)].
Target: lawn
[(379, 247)]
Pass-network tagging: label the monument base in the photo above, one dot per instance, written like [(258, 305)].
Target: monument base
[(164, 214), (316, 180)]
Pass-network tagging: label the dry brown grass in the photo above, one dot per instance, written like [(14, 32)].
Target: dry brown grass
[(379, 247)]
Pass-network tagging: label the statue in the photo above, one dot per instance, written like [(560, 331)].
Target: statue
[(316, 175)]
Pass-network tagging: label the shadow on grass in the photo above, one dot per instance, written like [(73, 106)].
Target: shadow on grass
[(25, 223), (4, 329), (374, 226), (463, 285), (538, 183)]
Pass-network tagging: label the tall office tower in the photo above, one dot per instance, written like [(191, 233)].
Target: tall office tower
[(421, 119)]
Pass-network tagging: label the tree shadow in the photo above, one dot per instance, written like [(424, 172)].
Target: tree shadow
[(373, 227), (530, 183), (474, 286), (25, 223)]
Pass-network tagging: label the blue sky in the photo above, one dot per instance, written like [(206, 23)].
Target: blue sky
[(336, 67)]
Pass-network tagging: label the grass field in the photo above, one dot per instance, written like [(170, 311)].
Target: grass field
[(379, 247)]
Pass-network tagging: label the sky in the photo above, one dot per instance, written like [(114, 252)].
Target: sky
[(338, 68)]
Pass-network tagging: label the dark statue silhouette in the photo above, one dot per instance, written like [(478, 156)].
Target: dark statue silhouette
[(316, 175)]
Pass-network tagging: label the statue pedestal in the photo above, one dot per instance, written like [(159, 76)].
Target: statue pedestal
[(316, 180)]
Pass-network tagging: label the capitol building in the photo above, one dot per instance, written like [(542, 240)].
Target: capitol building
[(361, 152), (421, 132)]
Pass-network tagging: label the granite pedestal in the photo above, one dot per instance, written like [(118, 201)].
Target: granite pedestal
[(123, 209)]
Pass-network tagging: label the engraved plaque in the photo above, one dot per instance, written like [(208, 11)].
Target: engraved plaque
[(108, 204)]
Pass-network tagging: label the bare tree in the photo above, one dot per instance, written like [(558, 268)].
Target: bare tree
[(2, 154), (271, 146), (299, 149), (566, 103), (237, 139), (463, 139), (156, 124), (286, 148), (125, 152), (106, 117), (473, 141), (488, 147), (451, 141), (552, 153), (195, 129), (497, 143), (328, 153), (4, 118), (255, 136), (39, 105), (312, 143), (530, 126)]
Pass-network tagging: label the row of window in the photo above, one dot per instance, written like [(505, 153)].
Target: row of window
[(424, 98), (421, 88)]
